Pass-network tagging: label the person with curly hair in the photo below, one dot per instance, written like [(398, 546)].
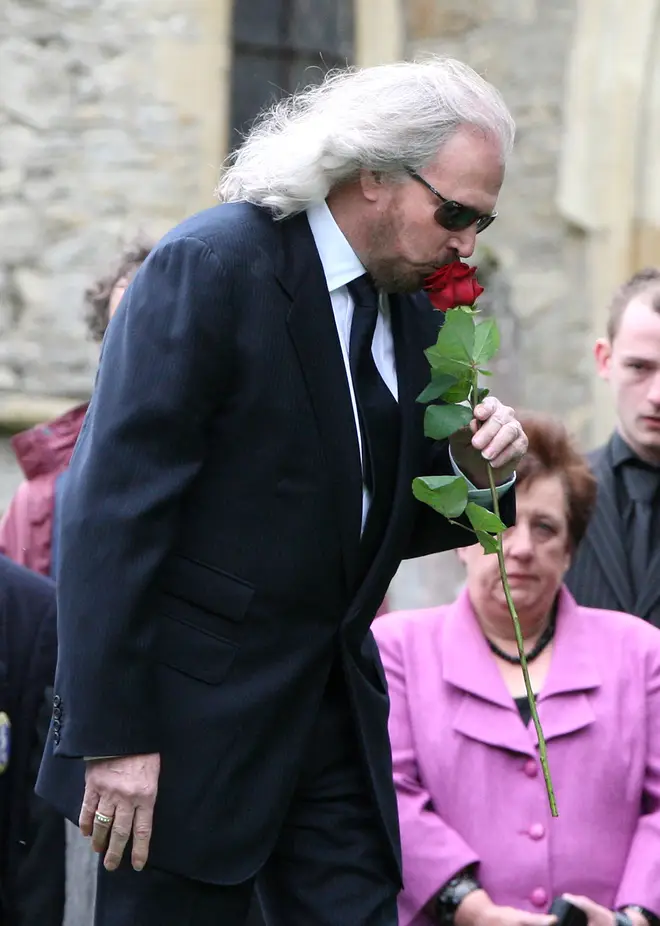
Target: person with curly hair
[(43, 452)]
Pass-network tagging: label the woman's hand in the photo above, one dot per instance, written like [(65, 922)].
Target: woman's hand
[(601, 916), (477, 909)]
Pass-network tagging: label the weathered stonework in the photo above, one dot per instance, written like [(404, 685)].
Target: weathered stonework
[(110, 123)]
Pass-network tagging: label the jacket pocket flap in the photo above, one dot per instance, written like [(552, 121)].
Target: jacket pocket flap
[(194, 651), (207, 587)]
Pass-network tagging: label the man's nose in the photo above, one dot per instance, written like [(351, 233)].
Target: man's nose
[(463, 242), (653, 394)]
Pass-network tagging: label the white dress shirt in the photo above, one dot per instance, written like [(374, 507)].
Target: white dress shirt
[(341, 266)]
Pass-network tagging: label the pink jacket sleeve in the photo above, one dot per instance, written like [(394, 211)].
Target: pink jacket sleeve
[(15, 540), (641, 878), (432, 851)]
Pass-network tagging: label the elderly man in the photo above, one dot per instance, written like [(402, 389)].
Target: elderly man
[(618, 562), (243, 498)]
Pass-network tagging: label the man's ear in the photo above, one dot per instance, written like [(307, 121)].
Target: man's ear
[(603, 356), (371, 184)]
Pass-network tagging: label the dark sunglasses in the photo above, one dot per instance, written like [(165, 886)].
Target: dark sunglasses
[(455, 216)]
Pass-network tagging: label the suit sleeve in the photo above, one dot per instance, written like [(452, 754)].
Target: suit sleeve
[(640, 883), (432, 851), (163, 373), (432, 532)]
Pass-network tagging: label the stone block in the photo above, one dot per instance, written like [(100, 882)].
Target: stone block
[(443, 19)]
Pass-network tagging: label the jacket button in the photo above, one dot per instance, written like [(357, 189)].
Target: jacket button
[(57, 712), (56, 725), (539, 897), (531, 769), (537, 831), (57, 701), (56, 738)]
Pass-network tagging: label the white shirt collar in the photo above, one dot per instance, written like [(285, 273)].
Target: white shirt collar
[(340, 263)]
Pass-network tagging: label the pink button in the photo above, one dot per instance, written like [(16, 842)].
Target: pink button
[(531, 768), (539, 897), (537, 831)]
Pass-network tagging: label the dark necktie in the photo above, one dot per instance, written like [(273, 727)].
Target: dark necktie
[(642, 483), (378, 412)]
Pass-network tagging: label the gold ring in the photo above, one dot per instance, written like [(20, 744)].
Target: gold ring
[(101, 818)]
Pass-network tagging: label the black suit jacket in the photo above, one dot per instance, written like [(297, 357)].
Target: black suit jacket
[(31, 832), (210, 538), (599, 576)]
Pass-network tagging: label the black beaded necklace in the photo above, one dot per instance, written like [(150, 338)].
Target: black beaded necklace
[(541, 644)]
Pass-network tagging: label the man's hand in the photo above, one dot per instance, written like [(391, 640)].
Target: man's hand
[(494, 434), (119, 802), (477, 909)]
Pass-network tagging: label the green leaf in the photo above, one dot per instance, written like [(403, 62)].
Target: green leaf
[(488, 542), (481, 394), (441, 364), (446, 494), (486, 341), (455, 338), (439, 384), (482, 519), (440, 421), (485, 372), (459, 392)]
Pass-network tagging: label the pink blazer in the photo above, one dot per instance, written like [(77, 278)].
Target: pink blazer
[(468, 781)]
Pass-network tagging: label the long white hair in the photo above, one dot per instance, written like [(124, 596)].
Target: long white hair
[(385, 118)]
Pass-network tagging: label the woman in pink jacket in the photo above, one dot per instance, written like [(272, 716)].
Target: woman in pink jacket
[(480, 847)]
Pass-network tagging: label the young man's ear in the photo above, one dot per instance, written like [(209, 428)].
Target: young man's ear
[(603, 355)]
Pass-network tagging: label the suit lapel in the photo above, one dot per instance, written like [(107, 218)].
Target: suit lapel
[(605, 533), (314, 334)]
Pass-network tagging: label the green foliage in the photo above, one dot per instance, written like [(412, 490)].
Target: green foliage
[(487, 541), (482, 519), (441, 421), (486, 341), (446, 494), (452, 352), (440, 383)]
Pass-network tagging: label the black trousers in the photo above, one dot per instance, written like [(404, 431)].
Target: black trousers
[(331, 865)]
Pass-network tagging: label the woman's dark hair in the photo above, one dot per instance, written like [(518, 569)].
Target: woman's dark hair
[(97, 296), (552, 452)]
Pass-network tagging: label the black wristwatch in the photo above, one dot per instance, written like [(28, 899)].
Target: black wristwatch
[(453, 893)]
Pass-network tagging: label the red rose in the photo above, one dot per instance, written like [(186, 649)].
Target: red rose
[(452, 285)]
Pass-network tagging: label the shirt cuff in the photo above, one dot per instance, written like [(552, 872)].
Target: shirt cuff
[(481, 496)]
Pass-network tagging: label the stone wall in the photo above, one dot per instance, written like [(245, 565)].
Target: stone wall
[(111, 122)]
